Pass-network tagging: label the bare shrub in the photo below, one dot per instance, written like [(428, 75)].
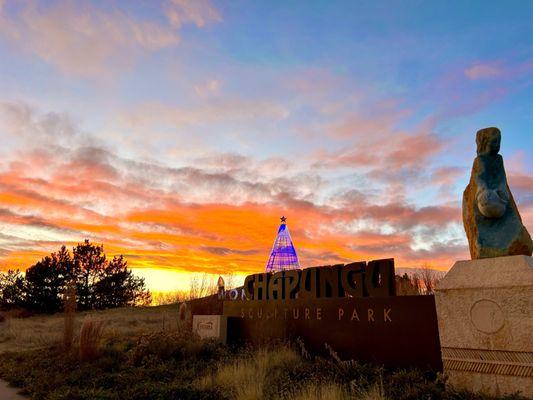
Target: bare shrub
[(230, 281), (417, 283), (69, 308), (333, 353), (90, 337), (301, 348), (421, 281), (202, 286), (164, 298), (430, 278)]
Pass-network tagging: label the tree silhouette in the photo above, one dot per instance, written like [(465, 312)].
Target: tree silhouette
[(44, 285), (89, 268), (118, 286), (99, 283), (11, 290)]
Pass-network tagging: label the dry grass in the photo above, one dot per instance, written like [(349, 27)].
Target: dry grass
[(376, 392), (330, 391), (69, 305), (169, 297), (18, 334), (179, 365), (245, 379), (90, 338)]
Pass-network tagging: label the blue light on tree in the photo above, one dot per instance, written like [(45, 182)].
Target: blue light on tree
[(283, 255)]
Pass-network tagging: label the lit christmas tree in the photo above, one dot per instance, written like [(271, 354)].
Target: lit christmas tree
[(283, 256)]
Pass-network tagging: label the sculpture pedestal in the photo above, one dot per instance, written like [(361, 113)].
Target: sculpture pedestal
[(485, 316)]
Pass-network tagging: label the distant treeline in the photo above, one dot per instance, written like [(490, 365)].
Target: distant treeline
[(99, 283), (421, 282)]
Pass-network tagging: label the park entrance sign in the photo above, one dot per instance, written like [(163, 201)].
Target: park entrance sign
[(351, 309), (375, 279)]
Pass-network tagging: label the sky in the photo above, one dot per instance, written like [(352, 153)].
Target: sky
[(177, 132)]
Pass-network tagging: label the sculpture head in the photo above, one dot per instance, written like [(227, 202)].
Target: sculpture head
[(488, 141)]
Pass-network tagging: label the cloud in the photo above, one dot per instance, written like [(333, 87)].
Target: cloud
[(465, 91), (368, 118), (499, 71), (201, 12), (20, 119), (83, 40), (223, 161), (522, 188), (387, 156), (224, 251), (208, 88), (447, 175), (192, 219), (316, 258), (219, 212), (482, 71), (152, 115), (521, 185), (10, 217)]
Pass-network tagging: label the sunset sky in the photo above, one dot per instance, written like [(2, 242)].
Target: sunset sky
[(177, 132)]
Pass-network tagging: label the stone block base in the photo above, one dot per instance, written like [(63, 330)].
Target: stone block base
[(484, 311), (494, 372)]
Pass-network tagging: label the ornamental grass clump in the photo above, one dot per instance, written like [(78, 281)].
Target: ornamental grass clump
[(90, 338), (328, 391), (247, 377)]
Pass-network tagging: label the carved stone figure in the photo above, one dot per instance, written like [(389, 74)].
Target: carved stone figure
[(492, 223)]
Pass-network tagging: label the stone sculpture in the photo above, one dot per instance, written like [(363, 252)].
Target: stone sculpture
[(491, 220)]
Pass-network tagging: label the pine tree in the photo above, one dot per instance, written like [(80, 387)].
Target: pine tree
[(11, 290), (100, 283)]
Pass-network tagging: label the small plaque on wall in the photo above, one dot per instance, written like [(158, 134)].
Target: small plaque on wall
[(210, 326)]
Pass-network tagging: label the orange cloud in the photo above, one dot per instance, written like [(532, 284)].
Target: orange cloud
[(216, 238), (218, 218)]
